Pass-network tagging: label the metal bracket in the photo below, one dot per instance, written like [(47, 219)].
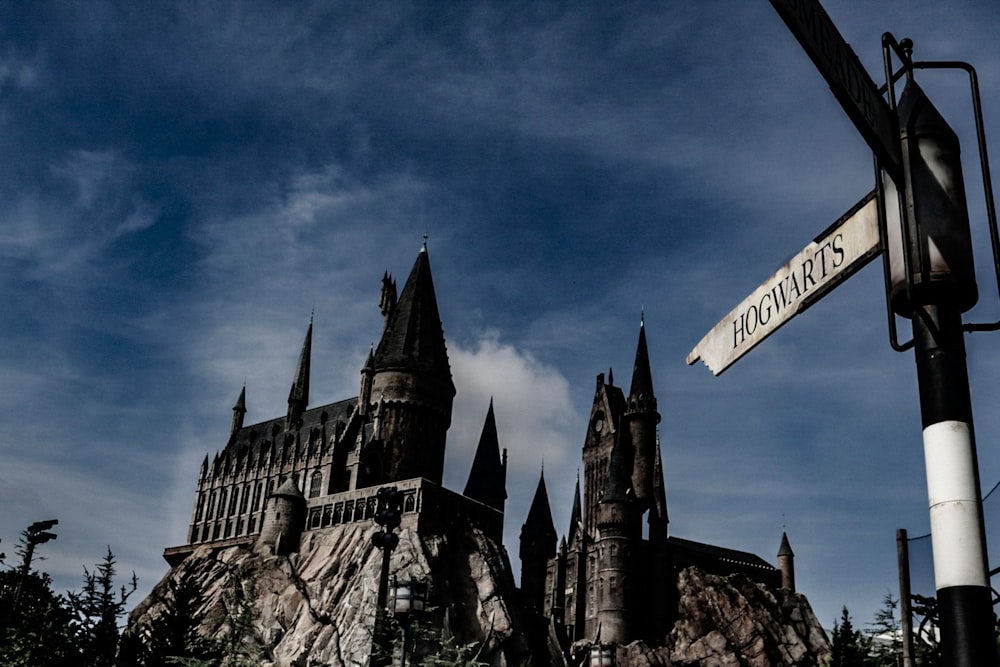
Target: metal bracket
[(904, 51)]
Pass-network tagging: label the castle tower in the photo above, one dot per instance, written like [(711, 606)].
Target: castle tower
[(641, 417), (488, 476), (786, 563), (239, 411), (538, 545), (605, 413), (298, 395), (412, 381), (617, 537), (284, 519)]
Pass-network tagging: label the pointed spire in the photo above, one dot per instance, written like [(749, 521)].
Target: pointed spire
[(785, 549), (641, 393), (413, 337), (487, 479), (611, 376), (576, 515), (298, 395), (539, 519), (239, 411)]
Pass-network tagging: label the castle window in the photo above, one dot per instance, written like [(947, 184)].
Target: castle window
[(338, 512), (204, 533), (239, 527), (370, 510), (598, 423), (315, 515), (201, 507), (613, 583), (222, 504), (245, 499), (229, 528), (232, 502), (211, 505), (316, 484), (327, 516), (256, 496), (410, 503), (614, 549), (216, 531), (251, 524)]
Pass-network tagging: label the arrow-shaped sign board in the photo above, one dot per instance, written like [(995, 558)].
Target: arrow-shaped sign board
[(835, 255), (849, 80)]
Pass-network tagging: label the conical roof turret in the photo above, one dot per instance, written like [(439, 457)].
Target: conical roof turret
[(539, 519), (414, 339), (487, 479), (786, 548), (298, 395), (640, 395)]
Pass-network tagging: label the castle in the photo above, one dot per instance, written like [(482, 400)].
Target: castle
[(610, 579)]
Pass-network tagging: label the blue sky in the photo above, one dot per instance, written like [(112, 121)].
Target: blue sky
[(182, 184)]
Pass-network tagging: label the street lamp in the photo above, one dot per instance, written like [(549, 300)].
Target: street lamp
[(387, 515), (36, 533), (408, 598)]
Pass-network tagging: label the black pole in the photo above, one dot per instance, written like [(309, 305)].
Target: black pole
[(905, 608), (953, 489)]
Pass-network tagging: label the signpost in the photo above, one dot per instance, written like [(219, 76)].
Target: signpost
[(921, 156), (848, 79), (835, 255)]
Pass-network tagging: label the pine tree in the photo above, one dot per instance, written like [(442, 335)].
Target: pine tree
[(174, 636), (96, 609), (848, 647), (37, 633)]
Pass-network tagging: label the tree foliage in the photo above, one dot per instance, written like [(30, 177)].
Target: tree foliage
[(96, 608)]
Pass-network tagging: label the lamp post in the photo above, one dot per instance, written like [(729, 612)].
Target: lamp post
[(36, 533), (408, 598), (387, 515)]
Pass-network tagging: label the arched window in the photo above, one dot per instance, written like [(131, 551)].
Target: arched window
[(201, 507), (233, 501), (211, 505), (316, 484), (222, 503), (256, 496), (410, 503), (245, 499)]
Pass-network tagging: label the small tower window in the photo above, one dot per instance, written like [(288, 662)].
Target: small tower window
[(598, 422)]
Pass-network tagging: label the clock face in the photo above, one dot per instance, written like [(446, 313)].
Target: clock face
[(598, 422)]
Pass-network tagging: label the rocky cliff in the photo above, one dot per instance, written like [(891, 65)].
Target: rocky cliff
[(317, 607)]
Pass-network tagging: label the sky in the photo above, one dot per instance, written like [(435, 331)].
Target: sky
[(183, 184)]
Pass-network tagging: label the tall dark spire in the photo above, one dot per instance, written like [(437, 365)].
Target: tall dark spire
[(298, 395), (239, 411), (576, 515), (414, 338), (640, 396), (487, 478), (539, 519)]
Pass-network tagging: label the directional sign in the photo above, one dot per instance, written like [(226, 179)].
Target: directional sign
[(835, 255), (850, 82)]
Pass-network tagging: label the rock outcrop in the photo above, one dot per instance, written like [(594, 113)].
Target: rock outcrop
[(733, 622), (317, 606)]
